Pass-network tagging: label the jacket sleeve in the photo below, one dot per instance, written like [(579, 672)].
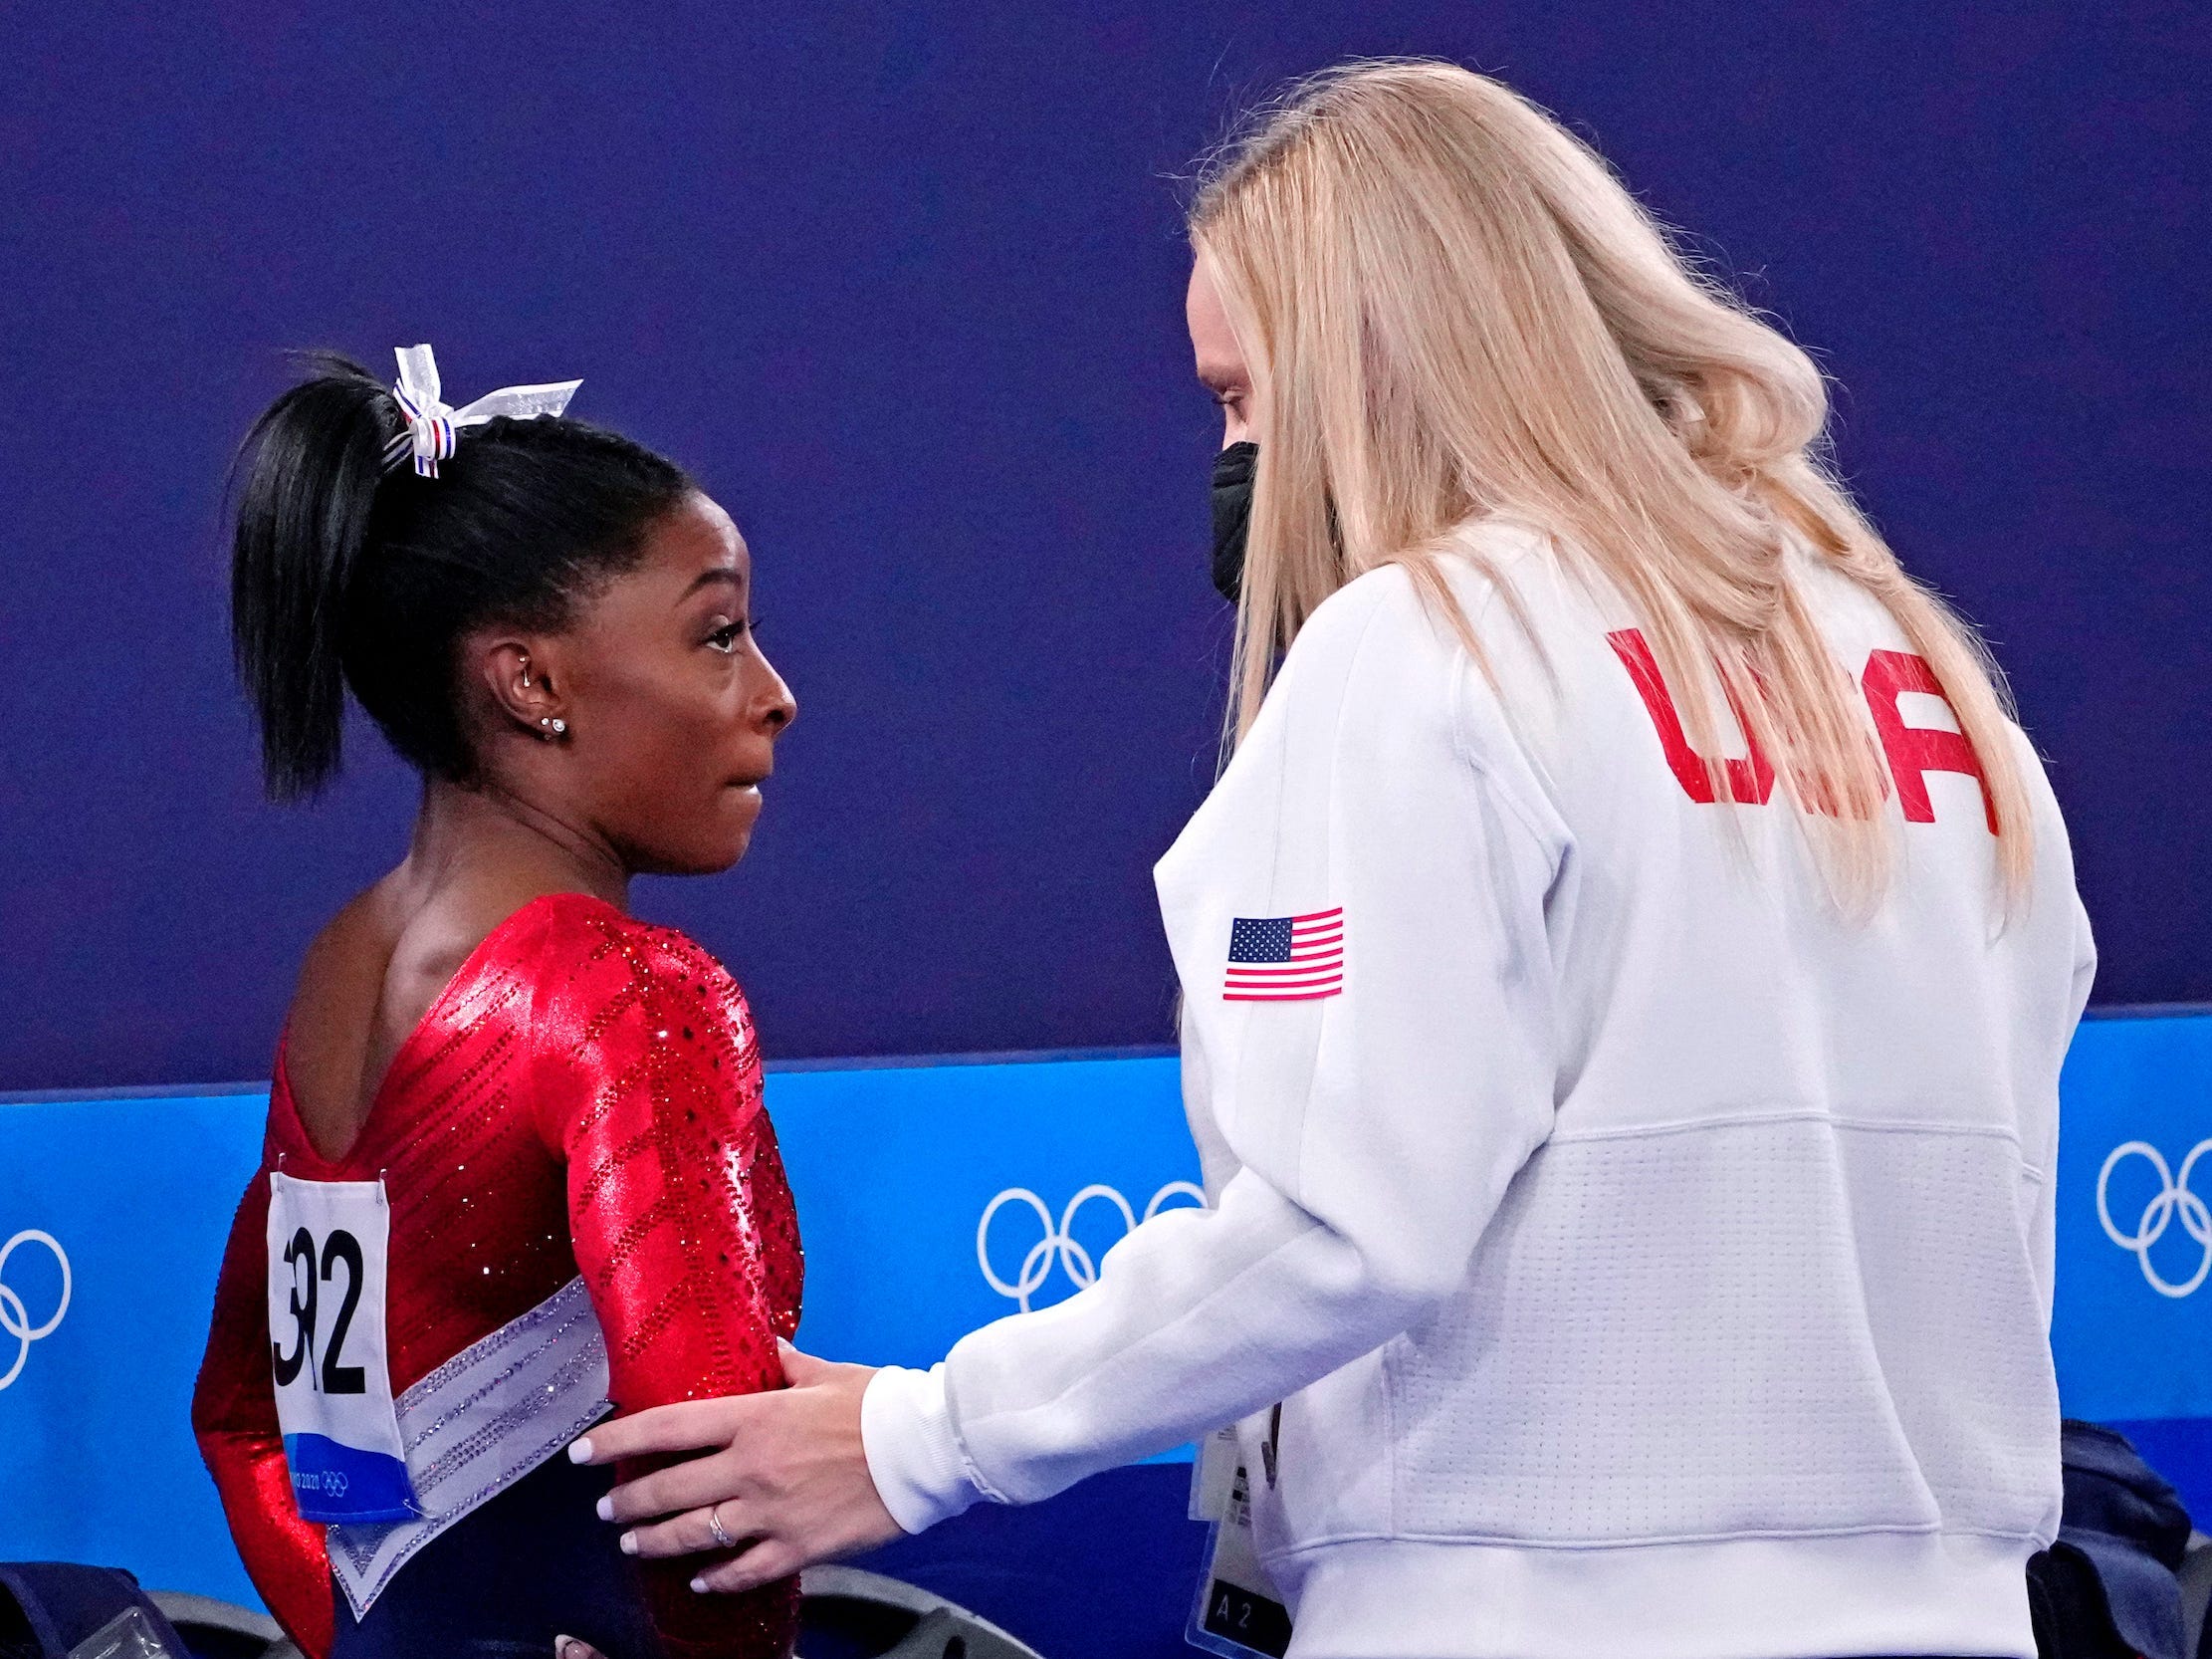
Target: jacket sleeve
[(680, 1216), (234, 1418), (2043, 1242), (1370, 1134)]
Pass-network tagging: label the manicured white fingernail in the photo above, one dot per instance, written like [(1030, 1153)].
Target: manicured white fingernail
[(629, 1543), (606, 1509), (700, 1585), (561, 1644), (579, 1451)]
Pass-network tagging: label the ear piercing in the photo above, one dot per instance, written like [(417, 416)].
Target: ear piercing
[(548, 727)]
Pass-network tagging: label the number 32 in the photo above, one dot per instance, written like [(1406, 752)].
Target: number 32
[(335, 1378)]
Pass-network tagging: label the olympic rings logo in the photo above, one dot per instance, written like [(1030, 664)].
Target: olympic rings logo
[(15, 1317), (1059, 1242), (2174, 1201)]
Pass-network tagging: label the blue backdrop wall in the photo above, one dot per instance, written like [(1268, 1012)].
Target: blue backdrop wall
[(902, 284)]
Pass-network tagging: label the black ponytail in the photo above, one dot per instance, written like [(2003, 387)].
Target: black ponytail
[(310, 467), (345, 574)]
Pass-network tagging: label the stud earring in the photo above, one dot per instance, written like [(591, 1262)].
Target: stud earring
[(552, 728)]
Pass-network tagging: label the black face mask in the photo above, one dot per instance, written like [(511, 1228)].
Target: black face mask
[(1232, 513)]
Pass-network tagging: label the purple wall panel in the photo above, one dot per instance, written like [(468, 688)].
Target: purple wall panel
[(902, 285)]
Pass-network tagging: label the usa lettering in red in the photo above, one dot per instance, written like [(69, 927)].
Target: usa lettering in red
[(1911, 752)]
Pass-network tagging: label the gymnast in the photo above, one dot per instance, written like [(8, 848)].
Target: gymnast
[(516, 1166)]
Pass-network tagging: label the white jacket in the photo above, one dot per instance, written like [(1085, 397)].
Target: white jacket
[(1649, 1263)]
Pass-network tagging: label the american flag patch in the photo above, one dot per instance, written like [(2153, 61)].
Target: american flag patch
[(1285, 959)]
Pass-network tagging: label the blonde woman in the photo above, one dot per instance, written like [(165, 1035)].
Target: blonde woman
[(1626, 968)]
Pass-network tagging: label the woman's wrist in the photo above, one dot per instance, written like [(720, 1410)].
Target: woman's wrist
[(913, 1451)]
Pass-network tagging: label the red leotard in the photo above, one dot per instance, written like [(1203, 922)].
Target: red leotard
[(584, 1097)]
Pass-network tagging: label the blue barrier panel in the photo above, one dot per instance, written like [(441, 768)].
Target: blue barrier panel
[(2133, 1326), (96, 1461), (934, 1198), (2132, 1330), (894, 1168)]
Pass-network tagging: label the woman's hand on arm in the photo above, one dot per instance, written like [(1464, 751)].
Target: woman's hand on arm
[(784, 1474)]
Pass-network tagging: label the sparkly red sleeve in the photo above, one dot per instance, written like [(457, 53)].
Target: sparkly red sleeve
[(234, 1417), (683, 1226)]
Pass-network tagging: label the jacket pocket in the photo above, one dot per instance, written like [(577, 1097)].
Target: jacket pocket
[(1773, 1326)]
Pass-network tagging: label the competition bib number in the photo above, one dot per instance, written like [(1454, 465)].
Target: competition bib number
[(327, 1252)]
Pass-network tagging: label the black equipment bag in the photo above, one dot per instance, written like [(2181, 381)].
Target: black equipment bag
[(2106, 1589), (54, 1609)]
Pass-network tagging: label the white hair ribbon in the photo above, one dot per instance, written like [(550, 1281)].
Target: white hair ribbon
[(434, 426)]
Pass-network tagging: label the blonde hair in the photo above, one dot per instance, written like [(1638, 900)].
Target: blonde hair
[(1451, 308)]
